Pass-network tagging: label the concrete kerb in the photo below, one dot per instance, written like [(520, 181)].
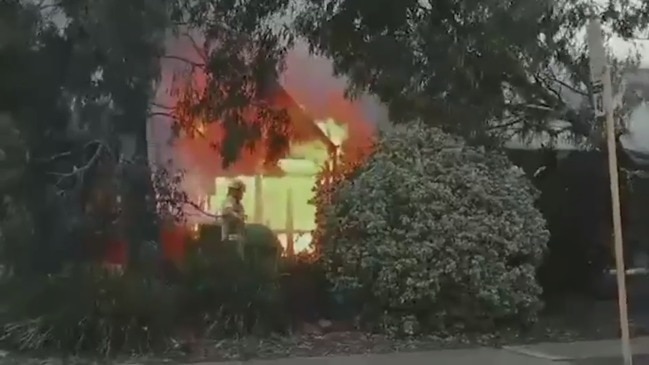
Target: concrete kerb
[(535, 354), (481, 355), (558, 352)]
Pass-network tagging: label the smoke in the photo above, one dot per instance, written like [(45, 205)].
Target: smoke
[(308, 79)]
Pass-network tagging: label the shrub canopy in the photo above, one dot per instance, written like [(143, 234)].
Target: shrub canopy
[(438, 231)]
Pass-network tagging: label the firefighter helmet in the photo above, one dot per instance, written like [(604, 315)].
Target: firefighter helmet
[(237, 184)]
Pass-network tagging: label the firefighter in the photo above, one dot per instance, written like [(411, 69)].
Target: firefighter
[(233, 216)]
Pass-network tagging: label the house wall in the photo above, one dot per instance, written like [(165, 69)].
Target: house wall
[(292, 186), (275, 198), (576, 203)]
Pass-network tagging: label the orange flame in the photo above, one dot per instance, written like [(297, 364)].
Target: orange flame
[(309, 82)]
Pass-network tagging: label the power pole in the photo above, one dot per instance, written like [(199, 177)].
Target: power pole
[(603, 102)]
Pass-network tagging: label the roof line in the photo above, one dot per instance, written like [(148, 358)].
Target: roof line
[(305, 117)]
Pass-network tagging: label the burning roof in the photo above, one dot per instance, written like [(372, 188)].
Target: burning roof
[(306, 91)]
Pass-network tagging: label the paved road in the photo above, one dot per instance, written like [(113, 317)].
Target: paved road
[(577, 353), (482, 356), (614, 360), (606, 352)]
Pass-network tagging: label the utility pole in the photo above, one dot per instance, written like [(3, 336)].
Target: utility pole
[(603, 102)]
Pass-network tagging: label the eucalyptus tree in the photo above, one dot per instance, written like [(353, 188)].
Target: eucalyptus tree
[(482, 69)]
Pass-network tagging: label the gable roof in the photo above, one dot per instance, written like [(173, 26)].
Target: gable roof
[(303, 126)]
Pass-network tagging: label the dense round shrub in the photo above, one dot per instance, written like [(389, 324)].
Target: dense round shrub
[(223, 295), (435, 233), (262, 248), (305, 289)]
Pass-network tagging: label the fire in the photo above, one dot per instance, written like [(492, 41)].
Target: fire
[(195, 231), (318, 110)]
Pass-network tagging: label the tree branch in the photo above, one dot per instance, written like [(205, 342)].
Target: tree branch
[(42, 6), (190, 203), (569, 87), (185, 60), (202, 52), (79, 171), (187, 127), (539, 107), (161, 114), (200, 210), (54, 157), (511, 123), (166, 107)]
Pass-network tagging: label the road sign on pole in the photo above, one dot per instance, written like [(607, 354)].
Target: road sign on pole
[(598, 66), (603, 102)]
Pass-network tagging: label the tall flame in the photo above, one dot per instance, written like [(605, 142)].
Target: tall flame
[(310, 84), (307, 79)]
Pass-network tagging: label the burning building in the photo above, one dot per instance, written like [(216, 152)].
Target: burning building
[(323, 125)]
